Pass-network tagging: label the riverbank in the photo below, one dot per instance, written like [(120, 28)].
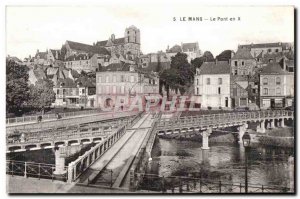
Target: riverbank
[(282, 137)]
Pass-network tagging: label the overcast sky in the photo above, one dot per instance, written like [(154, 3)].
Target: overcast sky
[(32, 28)]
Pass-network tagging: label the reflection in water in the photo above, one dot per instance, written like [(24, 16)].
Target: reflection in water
[(267, 165)]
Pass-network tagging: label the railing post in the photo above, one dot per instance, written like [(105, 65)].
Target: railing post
[(39, 171), (12, 168), (25, 170), (262, 188), (220, 186)]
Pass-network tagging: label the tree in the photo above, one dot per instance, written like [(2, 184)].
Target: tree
[(208, 56), (17, 89), (41, 94), (180, 75), (224, 56)]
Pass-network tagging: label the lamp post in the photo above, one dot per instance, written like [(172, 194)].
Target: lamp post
[(246, 143)]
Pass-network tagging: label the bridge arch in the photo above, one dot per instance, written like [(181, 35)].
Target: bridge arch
[(43, 145), (59, 143), (30, 146), (70, 142), (97, 139), (14, 148), (85, 140)]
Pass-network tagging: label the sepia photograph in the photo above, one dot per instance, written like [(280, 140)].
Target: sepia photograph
[(150, 99)]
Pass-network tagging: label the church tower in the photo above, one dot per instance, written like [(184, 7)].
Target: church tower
[(132, 43), (132, 35)]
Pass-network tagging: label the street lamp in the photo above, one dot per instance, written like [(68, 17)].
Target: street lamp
[(246, 143)]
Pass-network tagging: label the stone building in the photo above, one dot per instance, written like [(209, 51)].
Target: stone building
[(128, 46), (191, 49), (242, 63), (126, 80), (276, 87), (73, 94), (212, 85), (265, 48)]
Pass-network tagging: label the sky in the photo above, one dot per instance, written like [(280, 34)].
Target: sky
[(42, 27)]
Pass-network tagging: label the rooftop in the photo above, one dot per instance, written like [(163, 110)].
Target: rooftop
[(242, 53), (265, 45), (272, 69), (220, 67), (87, 48)]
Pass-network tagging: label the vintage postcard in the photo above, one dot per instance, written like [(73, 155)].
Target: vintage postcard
[(150, 99)]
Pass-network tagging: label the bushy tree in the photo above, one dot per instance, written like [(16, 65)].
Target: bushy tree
[(180, 75), (41, 94), (206, 57), (17, 89), (224, 56)]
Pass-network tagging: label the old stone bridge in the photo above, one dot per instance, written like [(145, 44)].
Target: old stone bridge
[(204, 124)]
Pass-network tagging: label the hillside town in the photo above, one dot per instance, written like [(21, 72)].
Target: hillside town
[(252, 76)]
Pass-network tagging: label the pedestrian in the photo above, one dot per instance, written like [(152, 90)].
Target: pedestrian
[(39, 119)]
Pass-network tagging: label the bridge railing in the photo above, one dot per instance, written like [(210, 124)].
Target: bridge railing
[(49, 116), (77, 167), (210, 119), (57, 133), (31, 169), (182, 184), (69, 121), (141, 160)]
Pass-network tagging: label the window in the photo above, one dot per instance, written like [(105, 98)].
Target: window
[(278, 80), (99, 90), (220, 81), (122, 78), (243, 101), (114, 78), (278, 91), (122, 89), (83, 91), (114, 90), (219, 90), (208, 81), (235, 72), (277, 50), (197, 81), (265, 81), (131, 78), (269, 50), (107, 79), (99, 79), (107, 89), (253, 90), (243, 63), (197, 91), (265, 91), (235, 63)]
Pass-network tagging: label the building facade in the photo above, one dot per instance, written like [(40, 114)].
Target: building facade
[(72, 95), (276, 87), (123, 80), (265, 48), (212, 85)]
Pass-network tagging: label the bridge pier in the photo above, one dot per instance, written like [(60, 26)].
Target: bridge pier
[(205, 138), (261, 127), (242, 129), (60, 158), (282, 123), (272, 123)]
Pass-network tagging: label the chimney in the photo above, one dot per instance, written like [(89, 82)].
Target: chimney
[(113, 37), (284, 64), (37, 51)]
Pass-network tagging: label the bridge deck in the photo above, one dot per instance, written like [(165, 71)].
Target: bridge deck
[(119, 158), (80, 119)]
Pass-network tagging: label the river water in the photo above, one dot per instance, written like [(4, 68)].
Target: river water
[(268, 166)]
